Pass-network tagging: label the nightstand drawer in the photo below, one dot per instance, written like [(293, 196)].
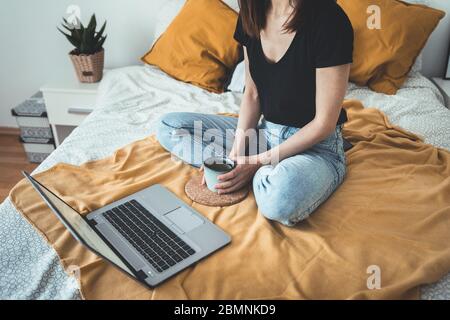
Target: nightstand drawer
[(68, 109)]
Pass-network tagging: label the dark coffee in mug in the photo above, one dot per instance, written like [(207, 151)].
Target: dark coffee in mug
[(221, 167), (219, 164)]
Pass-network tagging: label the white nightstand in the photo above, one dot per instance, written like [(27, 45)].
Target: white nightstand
[(68, 103), (444, 86)]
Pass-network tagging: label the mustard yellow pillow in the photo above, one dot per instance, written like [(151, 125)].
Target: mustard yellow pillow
[(382, 58), (198, 46)]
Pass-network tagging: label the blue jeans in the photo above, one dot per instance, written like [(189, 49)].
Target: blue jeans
[(287, 192)]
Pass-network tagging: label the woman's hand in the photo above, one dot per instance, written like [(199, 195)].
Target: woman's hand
[(241, 176)]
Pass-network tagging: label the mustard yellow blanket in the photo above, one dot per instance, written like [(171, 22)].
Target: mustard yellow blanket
[(393, 212)]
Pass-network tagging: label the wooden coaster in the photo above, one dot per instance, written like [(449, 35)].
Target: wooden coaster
[(202, 195)]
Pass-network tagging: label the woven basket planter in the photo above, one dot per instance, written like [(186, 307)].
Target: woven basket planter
[(89, 68)]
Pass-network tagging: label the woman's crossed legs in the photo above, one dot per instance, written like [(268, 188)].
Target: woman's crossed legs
[(287, 192)]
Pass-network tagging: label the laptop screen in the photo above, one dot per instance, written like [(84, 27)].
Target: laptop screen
[(80, 228)]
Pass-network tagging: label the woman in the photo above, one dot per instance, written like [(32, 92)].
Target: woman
[(297, 55)]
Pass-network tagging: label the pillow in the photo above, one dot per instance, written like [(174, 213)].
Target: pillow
[(198, 47), (233, 4), (383, 57), (237, 83), (417, 67)]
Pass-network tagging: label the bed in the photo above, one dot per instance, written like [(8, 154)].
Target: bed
[(129, 101)]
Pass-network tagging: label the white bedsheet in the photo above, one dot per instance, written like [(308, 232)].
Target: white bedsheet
[(130, 101)]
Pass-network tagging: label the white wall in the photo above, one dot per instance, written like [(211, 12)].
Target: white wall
[(31, 49)]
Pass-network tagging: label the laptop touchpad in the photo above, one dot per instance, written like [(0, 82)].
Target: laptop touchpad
[(184, 219)]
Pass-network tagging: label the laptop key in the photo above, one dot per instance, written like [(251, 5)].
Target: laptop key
[(182, 253), (185, 247), (177, 258), (171, 262)]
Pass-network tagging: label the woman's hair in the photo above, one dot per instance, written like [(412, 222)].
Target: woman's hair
[(254, 14)]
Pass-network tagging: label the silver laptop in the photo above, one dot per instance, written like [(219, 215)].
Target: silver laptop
[(150, 235)]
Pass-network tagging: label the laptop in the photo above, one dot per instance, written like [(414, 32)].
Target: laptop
[(150, 235)]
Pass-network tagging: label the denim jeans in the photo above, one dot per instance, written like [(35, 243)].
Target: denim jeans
[(287, 192)]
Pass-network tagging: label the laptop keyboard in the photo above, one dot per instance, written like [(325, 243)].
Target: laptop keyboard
[(160, 246)]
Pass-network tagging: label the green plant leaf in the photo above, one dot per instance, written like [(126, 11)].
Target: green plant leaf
[(100, 43), (89, 36), (76, 33), (99, 34), (92, 23), (84, 48), (67, 24), (72, 30), (67, 28), (73, 41), (82, 28)]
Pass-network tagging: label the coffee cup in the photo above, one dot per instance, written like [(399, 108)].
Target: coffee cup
[(215, 167)]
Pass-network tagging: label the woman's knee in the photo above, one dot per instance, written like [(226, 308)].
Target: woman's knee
[(271, 188), (170, 121), (166, 126)]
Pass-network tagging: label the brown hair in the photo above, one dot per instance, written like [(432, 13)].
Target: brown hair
[(254, 15)]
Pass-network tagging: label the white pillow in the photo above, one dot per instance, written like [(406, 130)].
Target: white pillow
[(417, 67), (233, 4), (237, 83)]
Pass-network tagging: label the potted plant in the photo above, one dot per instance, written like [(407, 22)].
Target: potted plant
[(88, 57)]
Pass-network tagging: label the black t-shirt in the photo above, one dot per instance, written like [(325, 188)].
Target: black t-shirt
[(287, 89)]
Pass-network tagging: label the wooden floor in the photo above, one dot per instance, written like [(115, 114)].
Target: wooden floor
[(12, 161)]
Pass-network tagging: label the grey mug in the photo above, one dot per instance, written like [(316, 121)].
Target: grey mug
[(215, 167)]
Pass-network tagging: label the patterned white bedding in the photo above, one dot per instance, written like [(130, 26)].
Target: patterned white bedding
[(130, 100)]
